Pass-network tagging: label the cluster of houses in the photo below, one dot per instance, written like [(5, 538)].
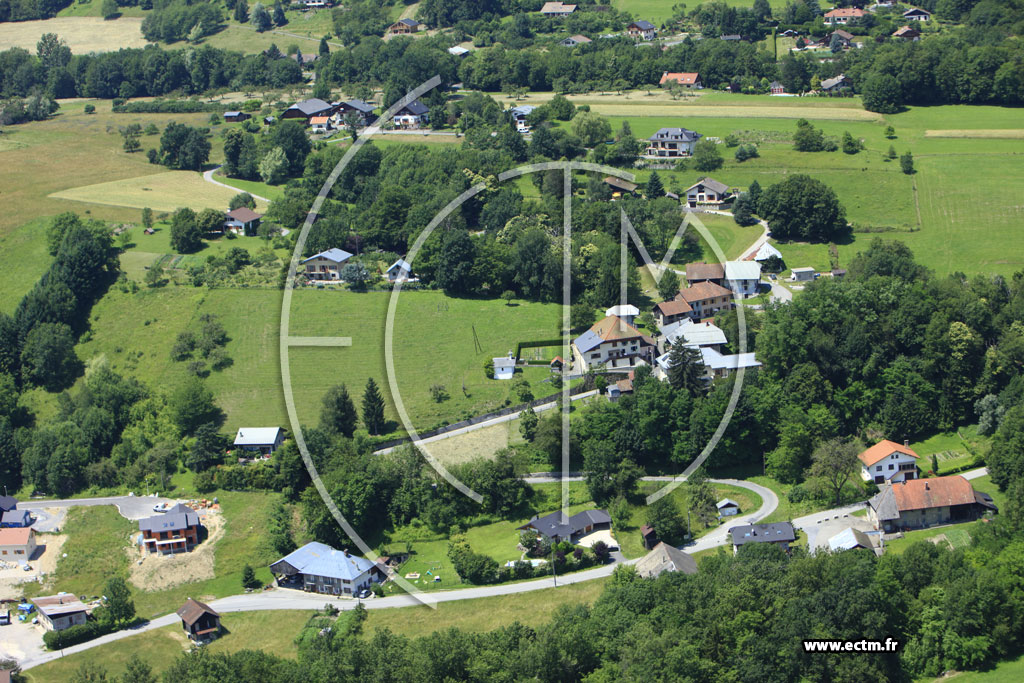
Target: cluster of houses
[(323, 117), (326, 266), (849, 15)]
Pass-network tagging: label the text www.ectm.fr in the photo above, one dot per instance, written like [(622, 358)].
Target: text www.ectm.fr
[(887, 645)]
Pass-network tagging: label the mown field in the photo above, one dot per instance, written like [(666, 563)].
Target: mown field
[(83, 34), (164, 191)]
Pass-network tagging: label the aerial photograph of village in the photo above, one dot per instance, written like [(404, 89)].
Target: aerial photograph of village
[(511, 340)]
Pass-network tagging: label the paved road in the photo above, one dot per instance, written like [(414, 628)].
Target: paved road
[(208, 177), (130, 507), (974, 474), (810, 524), (780, 293)]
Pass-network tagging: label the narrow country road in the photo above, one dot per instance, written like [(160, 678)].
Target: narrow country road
[(130, 507), (208, 177)]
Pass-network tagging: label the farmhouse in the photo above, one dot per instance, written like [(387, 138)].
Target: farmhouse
[(888, 461), (665, 558), (558, 529), (413, 115), (707, 191), (399, 271), (198, 620), (907, 33), (519, 115), (58, 612), (642, 30), (307, 109), (259, 440), (17, 544), (403, 26), (727, 507), (232, 116), (672, 142), (835, 84), (926, 502), (242, 221), (706, 299), (557, 9), (670, 312), (686, 79), (743, 277), (614, 343), (319, 568), (174, 531), (778, 533), (326, 265), (843, 15), (16, 519), (573, 41), (915, 14), (620, 186), (362, 110), (704, 272)]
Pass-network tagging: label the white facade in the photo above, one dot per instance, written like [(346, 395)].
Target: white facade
[(326, 265), (743, 277), (895, 467), (504, 366), (17, 544), (400, 271)]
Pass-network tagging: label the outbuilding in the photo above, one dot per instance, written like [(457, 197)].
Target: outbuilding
[(198, 620)]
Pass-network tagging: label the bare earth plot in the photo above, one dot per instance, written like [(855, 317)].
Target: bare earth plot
[(154, 572), (83, 34), (166, 191)]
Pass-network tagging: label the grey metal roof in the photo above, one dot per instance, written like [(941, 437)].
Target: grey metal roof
[(408, 22), (587, 341), (680, 134), (884, 504), (7, 503), (311, 107), (319, 559), (644, 25), (334, 254), (359, 105), (665, 558), (848, 539), (416, 108), (178, 517), (762, 533), (551, 525), (726, 502), (16, 517), (830, 83), (711, 184)]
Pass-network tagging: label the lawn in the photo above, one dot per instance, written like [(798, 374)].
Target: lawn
[(23, 260), (957, 535), (479, 443), (951, 449), (1004, 672), (254, 187), (82, 34)]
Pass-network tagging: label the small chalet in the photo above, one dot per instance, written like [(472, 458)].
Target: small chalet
[(519, 115), (743, 277), (843, 15), (557, 9), (232, 116), (620, 186), (17, 544), (199, 621), (727, 507), (614, 343), (907, 33), (259, 441), (922, 503), (916, 14), (573, 41), (835, 84), (174, 531), (319, 568), (326, 265), (707, 191), (307, 109), (554, 527), (704, 272), (59, 612), (777, 533), (413, 115), (404, 26), (777, 88), (845, 37), (672, 143), (242, 221), (15, 519), (642, 30), (665, 558), (504, 366), (321, 125), (399, 271), (685, 79), (888, 461)]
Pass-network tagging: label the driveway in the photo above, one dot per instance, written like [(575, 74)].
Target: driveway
[(21, 641), (780, 293), (208, 177), (810, 524), (130, 507)]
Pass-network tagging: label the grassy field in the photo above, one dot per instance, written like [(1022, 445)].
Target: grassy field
[(271, 192), (1007, 134), (478, 443), (83, 34), (957, 535), (1005, 672), (164, 191), (951, 449), (23, 260)]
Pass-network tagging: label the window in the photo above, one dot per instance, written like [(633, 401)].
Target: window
[(878, 468), (891, 467)]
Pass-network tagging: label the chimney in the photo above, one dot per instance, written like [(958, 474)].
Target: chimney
[(906, 443), (926, 486)]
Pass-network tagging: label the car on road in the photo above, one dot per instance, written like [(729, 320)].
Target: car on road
[(365, 593)]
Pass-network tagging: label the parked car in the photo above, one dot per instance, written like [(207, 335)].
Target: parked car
[(5, 617), (365, 593)]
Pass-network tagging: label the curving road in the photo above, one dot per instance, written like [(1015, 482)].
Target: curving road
[(208, 177)]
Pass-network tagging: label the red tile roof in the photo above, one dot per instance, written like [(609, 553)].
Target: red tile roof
[(683, 78), (613, 327), (15, 535), (845, 12), (883, 449), (673, 307), (705, 271), (702, 291), (920, 494)]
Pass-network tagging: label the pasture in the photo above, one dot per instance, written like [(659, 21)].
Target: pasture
[(84, 34)]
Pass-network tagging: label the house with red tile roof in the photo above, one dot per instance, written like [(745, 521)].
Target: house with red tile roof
[(614, 343), (922, 503), (888, 461), (843, 15), (683, 78)]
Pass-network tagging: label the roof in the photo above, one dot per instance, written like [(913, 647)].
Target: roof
[(623, 310), (412, 23), (845, 12), (56, 605), (676, 306), (807, 269), (711, 183), (705, 271), (643, 25), (607, 329), (193, 609), (718, 361), (457, 50), (681, 134), (726, 502), (311, 107), (400, 263), (319, 559), (766, 252), (15, 535), (256, 436), (683, 78), (846, 35), (578, 39), (335, 254), (905, 30), (694, 334), (358, 105), (416, 108), (232, 113), (14, 516), (742, 270), (665, 558), (762, 533), (850, 538), (8, 503), (829, 83), (522, 109), (883, 449), (702, 291), (921, 494), (915, 11), (555, 7), (318, 120), (244, 214), (620, 183), (178, 517), (551, 524), (503, 362)]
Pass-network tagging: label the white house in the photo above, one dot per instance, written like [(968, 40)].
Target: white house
[(802, 274), (557, 9), (672, 143), (504, 366), (707, 191), (916, 14), (321, 125), (242, 221), (399, 271), (843, 15), (17, 544), (326, 265), (766, 252), (743, 277), (642, 30), (888, 461), (614, 343), (573, 41), (259, 440), (413, 115), (727, 507), (716, 364), (319, 568), (519, 115)]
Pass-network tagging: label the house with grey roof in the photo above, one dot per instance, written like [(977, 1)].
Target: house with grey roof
[(326, 265), (260, 441), (363, 112), (707, 192), (307, 109), (519, 115), (413, 115), (174, 531), (8, 503), (242, 221), (573, 41), (557, 528), (319, 568), (642, 30), (665, 558), (404, 26), (672, 143), (835, 84), (777, 533)]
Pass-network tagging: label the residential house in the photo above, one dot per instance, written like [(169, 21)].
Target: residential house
[(845, 37), (573, 41), (316, 4), (802, 274), (620, 186), (326, 265), (704, 272), (614, 343), (642, 30), (399, 271), (670, 312), (672, 143), (519, 115), (59, 612), (665, 558), (15, 519), (696, 335), (843, 15), (404, 26), (198, 620), (17, 544), (690, 80), (557, 9), (907, 33), (627, 312), (558, 529), (706, 299), (242, 221), (458, 51), (259, 441), (920, 503), (174, 531), (717, 364), (707, 192), (743, 277), (727, 507), (7, 503), (888, 461), (321, 125), (777, 88), (232, 116), (413, 115), (835, 84), (504, 366), (916, 14), (789, 33), (767, 251), (778, 533), (307, 109), (319, 568), (362, 110)]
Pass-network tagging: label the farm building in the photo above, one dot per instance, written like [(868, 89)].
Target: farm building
[(727, 507), (614, 343), (672, 143), (326, 265), (777, 533), (259, 440), (319, 568), (888, 461), (557, 9), (59, 612), (404, 26), (232, 116), (242, 221), (641, 30), (705, 299), (17, 544), (704, 272), (558, 529), (665, 558), (174, 531), (16, 519), (802, 274), (920, 503), (198, 620), (686, 79), (307, 109), (707, 192), (413, 115)]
